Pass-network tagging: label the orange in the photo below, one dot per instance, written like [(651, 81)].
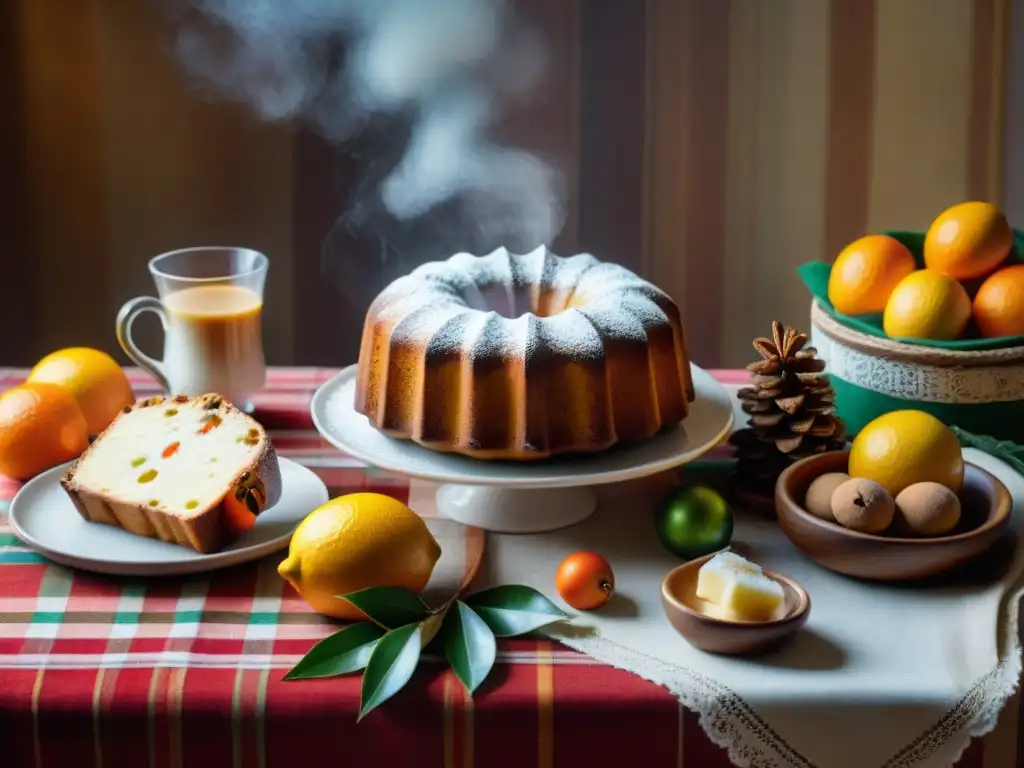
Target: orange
[(865, 272), (927, 305), (585, 580), (93, 378), (968, 240), (999, 303), (41, 426)]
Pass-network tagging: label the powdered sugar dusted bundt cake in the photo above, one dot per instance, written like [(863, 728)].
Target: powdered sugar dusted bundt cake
[(510, 356)]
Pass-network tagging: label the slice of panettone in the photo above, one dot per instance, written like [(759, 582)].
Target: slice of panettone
[(194, 471)]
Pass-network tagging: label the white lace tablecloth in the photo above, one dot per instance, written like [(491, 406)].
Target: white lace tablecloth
[(881, 675)]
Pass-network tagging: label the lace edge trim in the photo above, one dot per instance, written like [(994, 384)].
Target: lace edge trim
[(927, 383)]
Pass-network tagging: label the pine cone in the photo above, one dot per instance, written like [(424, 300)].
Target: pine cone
[(792, 415)]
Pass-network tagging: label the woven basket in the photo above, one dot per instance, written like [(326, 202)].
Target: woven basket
[(979, 391)]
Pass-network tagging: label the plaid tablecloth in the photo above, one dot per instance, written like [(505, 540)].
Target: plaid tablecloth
[(124, 673)]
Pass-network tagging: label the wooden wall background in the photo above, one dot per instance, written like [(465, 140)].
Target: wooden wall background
[(712, 145)]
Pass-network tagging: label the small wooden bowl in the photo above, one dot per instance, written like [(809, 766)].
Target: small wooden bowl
[(985, 514), (682, 607)]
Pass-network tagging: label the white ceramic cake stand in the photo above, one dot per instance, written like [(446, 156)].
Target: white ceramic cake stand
[(527, 496)]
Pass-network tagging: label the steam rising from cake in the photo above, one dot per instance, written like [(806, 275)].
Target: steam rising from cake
[(447, 64)]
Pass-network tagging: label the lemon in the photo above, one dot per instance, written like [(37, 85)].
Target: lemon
[(901, 448), (927, 305), (355, 542)]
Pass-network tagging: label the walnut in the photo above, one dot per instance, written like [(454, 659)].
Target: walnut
[(211, 401)]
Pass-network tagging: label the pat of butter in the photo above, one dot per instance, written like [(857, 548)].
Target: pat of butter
[(739, 589), (717, 572), (752, 597)]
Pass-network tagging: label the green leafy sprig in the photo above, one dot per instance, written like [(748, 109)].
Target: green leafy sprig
[(387, 648)]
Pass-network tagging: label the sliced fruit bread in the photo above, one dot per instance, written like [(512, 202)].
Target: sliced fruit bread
[(194, 471)]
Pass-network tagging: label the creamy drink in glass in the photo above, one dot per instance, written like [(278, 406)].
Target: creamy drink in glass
[(210, 302)]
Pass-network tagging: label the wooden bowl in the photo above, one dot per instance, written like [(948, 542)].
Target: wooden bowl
[(985, 514), (682, 607)]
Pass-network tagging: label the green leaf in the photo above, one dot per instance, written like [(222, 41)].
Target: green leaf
[(469, 645), (390, 607), (390, 666), (514, 609), (430, 627), (346, 651)]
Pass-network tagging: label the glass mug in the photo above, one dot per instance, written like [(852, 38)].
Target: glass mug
[(210, 305)]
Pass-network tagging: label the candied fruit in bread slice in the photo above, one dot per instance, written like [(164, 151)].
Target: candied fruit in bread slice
[(191, 471)]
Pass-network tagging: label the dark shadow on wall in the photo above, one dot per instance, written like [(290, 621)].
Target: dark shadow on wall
[(16, 317)]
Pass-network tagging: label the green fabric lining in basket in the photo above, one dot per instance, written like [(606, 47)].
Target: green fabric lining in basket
[(1010, 452), (858, 407), (815, 276)]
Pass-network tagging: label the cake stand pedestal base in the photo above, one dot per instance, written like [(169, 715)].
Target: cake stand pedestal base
[(516, 510)]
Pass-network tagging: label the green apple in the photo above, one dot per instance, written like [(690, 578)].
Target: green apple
[(694, 520)]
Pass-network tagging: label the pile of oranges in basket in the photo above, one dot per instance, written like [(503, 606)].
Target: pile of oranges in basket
[(969, 285)]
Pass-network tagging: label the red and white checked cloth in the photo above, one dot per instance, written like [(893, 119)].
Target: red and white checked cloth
[(127, 673)]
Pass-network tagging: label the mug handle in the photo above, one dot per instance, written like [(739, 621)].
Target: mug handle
[(125, 318)]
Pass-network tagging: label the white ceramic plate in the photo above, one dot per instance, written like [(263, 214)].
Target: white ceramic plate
[(709, 420), (44, 518)]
